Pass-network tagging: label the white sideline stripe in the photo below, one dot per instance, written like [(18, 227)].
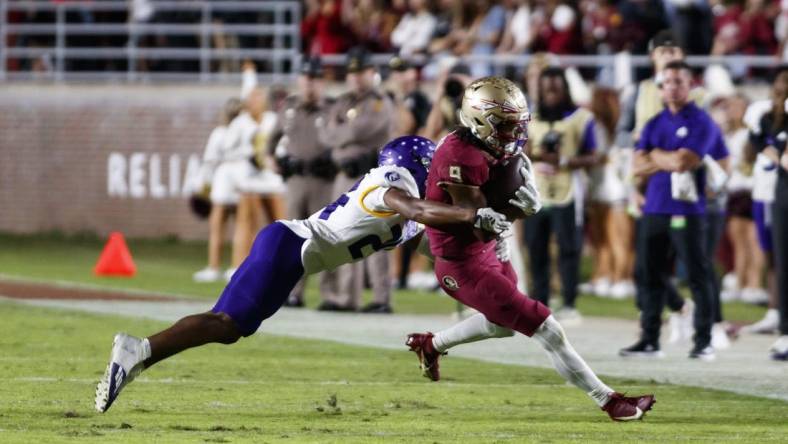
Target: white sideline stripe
[(748, 356), (258, 382)]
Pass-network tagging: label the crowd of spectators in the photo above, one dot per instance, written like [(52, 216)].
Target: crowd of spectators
[(438, 27), (525, 26)]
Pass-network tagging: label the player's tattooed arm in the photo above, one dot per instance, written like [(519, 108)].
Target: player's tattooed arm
[(440, 215)]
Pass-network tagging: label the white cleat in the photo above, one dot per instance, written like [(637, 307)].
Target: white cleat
[(719, 337), (207, 274), (755, 296), (767, 325), (621, 290), (125, 363), (602, 288)]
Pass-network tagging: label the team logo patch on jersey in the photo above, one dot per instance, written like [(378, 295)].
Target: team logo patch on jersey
[(682, 132), (392, 176), (455, 173), (450, 283)]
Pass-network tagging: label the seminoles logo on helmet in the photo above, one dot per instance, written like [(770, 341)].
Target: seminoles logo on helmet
[(506, 107), (495, 111)]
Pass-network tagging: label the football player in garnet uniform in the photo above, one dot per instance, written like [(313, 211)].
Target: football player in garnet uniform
[(494, 118)]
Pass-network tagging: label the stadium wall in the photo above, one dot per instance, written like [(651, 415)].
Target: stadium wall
[(104, 158)]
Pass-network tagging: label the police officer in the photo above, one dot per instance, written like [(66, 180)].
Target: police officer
[(562, 142), (358, 125), (669, 157), (303, 160)]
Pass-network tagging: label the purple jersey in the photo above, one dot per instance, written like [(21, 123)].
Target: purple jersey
[(690, 128)]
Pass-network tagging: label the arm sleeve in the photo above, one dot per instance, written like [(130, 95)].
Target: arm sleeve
[(644, 142), (702, 141), (386, 177)]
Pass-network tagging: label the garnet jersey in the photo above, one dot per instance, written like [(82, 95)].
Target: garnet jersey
[(460, 162), (358, 223)]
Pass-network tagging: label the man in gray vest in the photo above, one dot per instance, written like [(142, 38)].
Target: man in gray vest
[(359, 124), (303, 160)]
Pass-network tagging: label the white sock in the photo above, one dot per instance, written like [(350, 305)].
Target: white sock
[(145, 348), (568, 363), (475, 328)]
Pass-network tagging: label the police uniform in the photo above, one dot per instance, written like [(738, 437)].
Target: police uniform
[(358, 126), (304, 161), (571, 136)]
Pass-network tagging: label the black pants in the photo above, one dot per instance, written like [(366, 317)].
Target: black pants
[(715, 221), (688, 238), (673, 299), (780, 238), (538, 228)]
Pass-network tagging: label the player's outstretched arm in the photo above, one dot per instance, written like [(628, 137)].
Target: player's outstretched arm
[(440, 215)]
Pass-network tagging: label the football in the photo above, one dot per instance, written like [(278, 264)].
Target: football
[(505, 179)]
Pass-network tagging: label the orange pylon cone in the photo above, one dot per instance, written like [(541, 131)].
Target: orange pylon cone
[(115, 259)]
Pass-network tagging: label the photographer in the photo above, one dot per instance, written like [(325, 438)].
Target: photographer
[(305, 162), (443, 115), (413, 106), (562, 142), (358, 124)]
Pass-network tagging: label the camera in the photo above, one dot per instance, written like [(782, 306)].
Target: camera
[(454, 88), (551, 142)]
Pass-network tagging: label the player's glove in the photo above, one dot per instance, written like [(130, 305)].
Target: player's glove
[(502, 249), (527, 196), (490, 220)]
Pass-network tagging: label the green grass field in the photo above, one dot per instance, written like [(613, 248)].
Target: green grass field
[(166, 266), (272, 389)]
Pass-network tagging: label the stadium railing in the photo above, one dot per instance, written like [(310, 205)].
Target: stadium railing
[(281, 56), (280, 59)]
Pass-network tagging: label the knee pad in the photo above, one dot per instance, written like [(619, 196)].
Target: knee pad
[(551, 332)]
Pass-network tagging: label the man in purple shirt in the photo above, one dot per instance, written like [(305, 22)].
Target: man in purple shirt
[(669, 157)]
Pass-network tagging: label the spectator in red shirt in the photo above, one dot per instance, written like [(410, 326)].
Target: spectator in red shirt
[(560, 32), (322, 29)]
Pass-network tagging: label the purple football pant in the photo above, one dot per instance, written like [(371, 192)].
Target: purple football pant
[(264, 280)]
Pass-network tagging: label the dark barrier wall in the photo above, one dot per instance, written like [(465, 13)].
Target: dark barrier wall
[(104, 158)]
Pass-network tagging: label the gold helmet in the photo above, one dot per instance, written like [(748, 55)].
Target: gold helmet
[(495, 111)]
